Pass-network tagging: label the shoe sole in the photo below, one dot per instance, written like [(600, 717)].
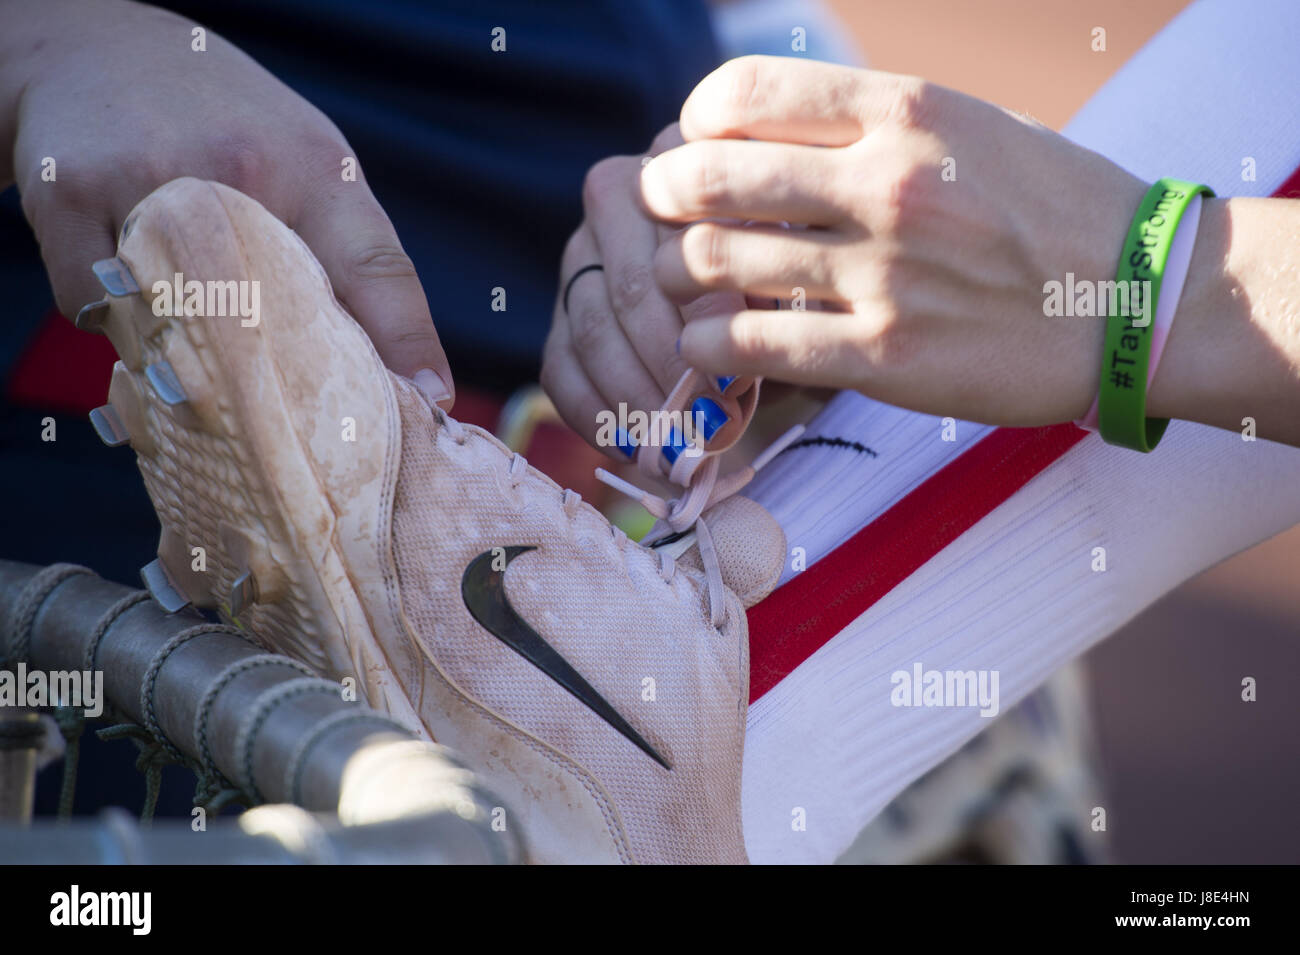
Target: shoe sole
[(270, 452)]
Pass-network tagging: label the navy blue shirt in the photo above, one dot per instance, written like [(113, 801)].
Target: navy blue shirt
[(477, 156)]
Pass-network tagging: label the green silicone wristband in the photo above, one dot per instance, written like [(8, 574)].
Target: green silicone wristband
[(1122, 399)]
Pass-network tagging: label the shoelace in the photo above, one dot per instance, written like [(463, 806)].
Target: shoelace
[(678, 515), (682, 514)]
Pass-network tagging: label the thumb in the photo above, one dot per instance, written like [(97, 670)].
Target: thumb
[(376, 281)]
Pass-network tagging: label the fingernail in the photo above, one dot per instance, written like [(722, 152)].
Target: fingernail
[(432, 386), (624, 443), (711, 416), (725, 382), (674, 446)]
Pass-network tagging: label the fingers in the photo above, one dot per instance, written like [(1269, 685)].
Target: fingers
[(373, 277), (626, 242), (759, 260), (595, 336), (567, 385), (799, 347), (70, 243), (791, 100), (774, 182)]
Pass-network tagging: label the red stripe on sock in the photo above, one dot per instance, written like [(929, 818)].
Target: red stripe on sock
[(801, 616), (1289, 189), (818, 603)]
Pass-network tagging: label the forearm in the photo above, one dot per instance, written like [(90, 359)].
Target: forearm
[(1234, 346)]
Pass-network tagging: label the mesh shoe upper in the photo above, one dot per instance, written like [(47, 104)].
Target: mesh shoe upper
[(631, 623)]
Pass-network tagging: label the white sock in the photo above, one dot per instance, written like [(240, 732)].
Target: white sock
[(1017, 594), (856, 460)]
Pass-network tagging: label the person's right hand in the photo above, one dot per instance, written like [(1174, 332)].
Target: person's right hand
[(114, 93)]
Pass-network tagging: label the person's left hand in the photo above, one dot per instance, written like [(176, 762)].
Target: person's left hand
[(613, 336), (932, 220)]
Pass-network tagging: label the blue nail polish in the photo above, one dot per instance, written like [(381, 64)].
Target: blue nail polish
[(712, 414), (624, 443), (725, 382), (675, 446)]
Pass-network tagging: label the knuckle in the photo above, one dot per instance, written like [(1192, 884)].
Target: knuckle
[(738, 89), (912, 103), (890, 206), (603, 180), (146, 169), (705, 251), (379, 261), (885, 338), (887, 277), (902, 191), (632, 283), (74, 189), (237, 161), (710, 178), (588, 326), (746, 341), (411, 337)]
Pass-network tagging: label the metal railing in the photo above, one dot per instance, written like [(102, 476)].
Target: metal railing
[(346, 784)]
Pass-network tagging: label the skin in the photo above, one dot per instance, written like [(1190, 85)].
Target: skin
[(933, 290), (616, 341), (114, 93)]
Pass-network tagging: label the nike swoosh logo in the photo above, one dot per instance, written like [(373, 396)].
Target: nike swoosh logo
[(484, 592)]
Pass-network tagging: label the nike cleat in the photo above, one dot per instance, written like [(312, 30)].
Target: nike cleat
[(599, 685)]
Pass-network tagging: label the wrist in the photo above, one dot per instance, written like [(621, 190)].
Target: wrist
[(1191, 371), (1234, 351), (1157, 253)]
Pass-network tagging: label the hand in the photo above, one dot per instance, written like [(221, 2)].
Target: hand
[(940, 282), (616, 342), (115, 94)]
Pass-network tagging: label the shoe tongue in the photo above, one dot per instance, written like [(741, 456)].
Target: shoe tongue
[(749, 543)]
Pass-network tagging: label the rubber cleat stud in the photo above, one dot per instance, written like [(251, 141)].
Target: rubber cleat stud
[(162, 588), (91, 317), (243, 593), (165, 384), (115, 277), (108, 425)]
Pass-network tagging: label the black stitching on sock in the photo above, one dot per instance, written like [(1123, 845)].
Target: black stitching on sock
[(832, 443)]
